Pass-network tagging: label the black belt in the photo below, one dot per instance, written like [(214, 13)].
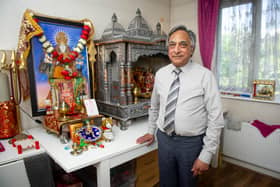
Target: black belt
[(173, 134)]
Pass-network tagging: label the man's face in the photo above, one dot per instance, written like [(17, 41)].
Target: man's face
[(179, 48)]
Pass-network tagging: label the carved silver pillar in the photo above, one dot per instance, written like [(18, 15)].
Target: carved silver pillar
[(105, 76), (129, 84), (123, 99)]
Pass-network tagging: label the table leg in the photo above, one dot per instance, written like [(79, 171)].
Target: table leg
[(103, 174)]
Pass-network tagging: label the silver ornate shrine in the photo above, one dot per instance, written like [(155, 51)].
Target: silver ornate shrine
[(126, 63)]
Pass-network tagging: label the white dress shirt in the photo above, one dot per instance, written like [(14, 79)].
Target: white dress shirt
[(199, 108)]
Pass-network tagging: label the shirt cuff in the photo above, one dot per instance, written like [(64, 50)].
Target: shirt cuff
[(205, 156), (151, 130)]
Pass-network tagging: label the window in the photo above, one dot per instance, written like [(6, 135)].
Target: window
[(248, 45)]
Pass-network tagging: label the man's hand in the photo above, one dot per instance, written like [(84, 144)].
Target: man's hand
[(146, 138), (199, 167)]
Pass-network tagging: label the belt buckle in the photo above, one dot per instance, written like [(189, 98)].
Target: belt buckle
[(173, 134)]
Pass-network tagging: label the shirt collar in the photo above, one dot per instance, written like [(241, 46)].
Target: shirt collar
[(183, 68)]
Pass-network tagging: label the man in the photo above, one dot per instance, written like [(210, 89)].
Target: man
[(187, 136)]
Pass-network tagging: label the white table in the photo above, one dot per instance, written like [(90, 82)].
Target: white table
[(11, 163), (11, 154), (122, 149)]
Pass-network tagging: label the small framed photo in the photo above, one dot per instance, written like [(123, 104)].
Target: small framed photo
[(73, 129), (91, 107), (263, 89)]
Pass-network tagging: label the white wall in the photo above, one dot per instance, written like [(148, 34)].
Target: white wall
[(251, 110), (98, 11), (185, 12)]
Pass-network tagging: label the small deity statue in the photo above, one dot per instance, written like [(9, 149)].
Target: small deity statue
[(139, 78), (88, 129), (149, 80), (107, 124), (66, 94)]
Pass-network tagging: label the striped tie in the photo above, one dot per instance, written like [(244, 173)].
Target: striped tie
[(170, 108)]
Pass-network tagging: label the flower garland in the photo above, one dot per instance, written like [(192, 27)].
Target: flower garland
[(48, 47)]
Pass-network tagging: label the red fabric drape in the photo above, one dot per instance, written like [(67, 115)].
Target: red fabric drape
[(208, 11), (265, 129)]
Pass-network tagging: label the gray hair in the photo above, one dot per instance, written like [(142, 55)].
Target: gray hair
[(183, 28)]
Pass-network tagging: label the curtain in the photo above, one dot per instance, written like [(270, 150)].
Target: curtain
[(268, 51), (248, 43), (234, 48), (207, 22)]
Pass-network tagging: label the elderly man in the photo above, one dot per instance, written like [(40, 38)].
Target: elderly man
[(185, 114)]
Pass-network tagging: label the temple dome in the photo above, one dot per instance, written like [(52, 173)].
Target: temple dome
[(114, 29), (138, 27), (158, 34)]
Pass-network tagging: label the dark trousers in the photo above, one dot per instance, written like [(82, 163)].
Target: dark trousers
[(176, 157)]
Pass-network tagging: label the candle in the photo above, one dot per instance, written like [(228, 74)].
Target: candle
[(5, 88)]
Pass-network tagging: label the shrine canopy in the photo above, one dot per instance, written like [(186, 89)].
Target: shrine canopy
[(138, 31)]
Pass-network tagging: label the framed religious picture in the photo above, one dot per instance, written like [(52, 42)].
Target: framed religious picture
[(263, 89), (59, 57)]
